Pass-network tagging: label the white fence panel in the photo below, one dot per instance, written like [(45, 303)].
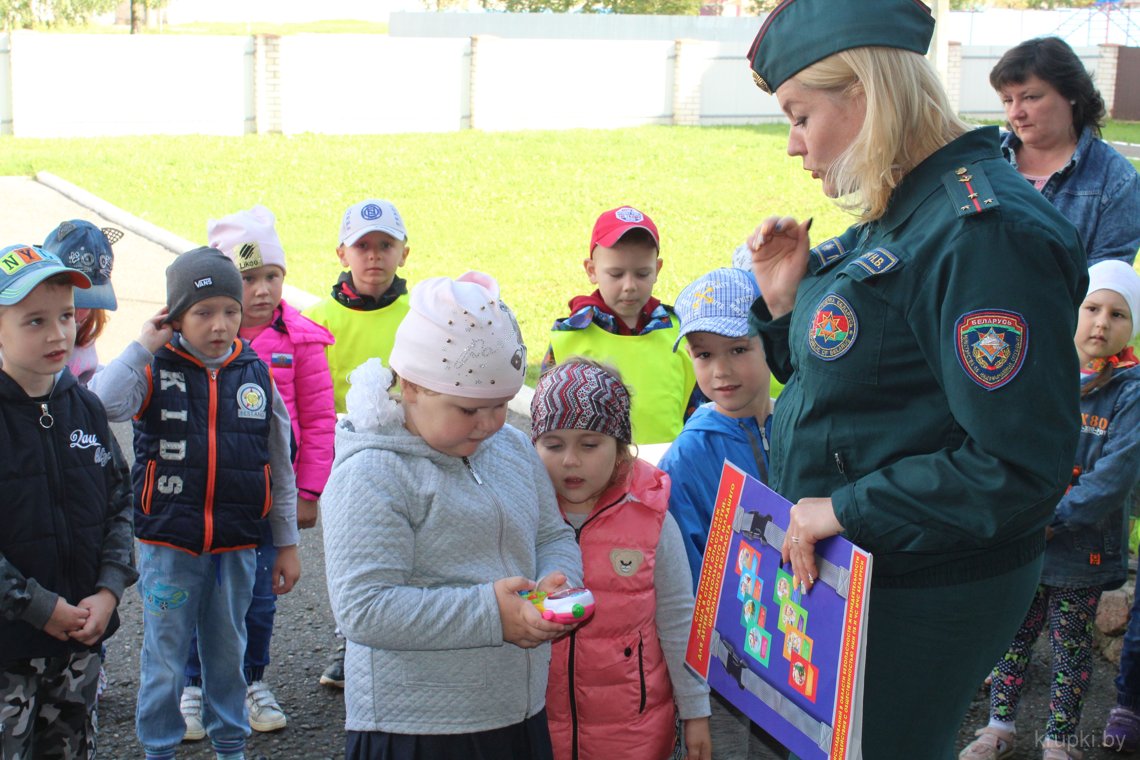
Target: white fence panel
[(564, 84), (728, 93), (76, 85), (370, 84), (5, 82)]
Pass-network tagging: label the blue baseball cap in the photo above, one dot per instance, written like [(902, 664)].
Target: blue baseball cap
[(717, 302), (81, 245), (23, 267)]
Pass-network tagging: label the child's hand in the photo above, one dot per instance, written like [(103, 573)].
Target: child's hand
[(523, 625), (100, 605), (552, 582), (65, 619), (306, 512), (286, 570), (156, 333), (698, 739)]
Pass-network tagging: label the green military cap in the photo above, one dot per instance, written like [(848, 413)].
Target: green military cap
[(800, 32)]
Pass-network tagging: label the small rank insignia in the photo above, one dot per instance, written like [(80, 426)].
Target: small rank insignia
[(283, 361), (969, 190), (877, 261), (991, 346), (827, 252), (833, 328), (251, 401)]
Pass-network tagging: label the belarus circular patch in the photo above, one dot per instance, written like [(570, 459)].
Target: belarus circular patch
[(991, 345), (833, 328), (251, 401)]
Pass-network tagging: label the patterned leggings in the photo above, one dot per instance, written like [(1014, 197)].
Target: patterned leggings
[(1070, 612)]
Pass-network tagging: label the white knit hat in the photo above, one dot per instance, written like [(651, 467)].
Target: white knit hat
[(458, 338), (248, 239), (1121, 278)]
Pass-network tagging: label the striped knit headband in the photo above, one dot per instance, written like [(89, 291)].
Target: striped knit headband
[(578, 396)]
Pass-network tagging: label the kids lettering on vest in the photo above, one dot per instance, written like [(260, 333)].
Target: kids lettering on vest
[(618, 683), (81, 245), (734, 425), (294, 348), (1086, 550), (623, 325), (369, 300), (436, 516), (212, 464), (65, 546)]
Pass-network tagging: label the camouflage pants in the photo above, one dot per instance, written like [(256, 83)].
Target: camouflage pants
[(45, 707)]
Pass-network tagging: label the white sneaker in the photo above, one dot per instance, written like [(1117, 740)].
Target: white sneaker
[(264, 712), (191, 706)]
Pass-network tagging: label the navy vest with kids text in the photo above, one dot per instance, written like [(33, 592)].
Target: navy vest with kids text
[(201, 473)]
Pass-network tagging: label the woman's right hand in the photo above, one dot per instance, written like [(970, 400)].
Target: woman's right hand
[(780, 248)]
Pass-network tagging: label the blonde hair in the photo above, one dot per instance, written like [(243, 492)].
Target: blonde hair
[(908, 118)]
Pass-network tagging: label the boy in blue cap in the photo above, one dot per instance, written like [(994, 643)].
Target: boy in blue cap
[(65, 551)]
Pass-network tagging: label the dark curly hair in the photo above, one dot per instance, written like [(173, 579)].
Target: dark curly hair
[(1052, 60)]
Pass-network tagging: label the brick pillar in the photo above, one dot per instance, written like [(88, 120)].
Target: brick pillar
[(267, 83), (954, 75), (1105, 75), (689, 63)]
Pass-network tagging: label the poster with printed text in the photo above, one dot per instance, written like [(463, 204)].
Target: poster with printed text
[(789, 658)]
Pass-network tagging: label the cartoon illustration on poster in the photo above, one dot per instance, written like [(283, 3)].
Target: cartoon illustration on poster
[(792, 661)]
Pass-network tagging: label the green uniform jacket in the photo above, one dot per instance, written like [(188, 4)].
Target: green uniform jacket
[(360, 336), (933, 390)]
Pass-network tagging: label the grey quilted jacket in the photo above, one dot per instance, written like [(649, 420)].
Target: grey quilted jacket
[(414, 540)]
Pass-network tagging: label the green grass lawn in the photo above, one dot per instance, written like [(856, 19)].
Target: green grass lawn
[(517, 205)]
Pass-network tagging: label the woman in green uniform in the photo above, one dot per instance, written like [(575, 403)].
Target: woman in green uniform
[(930, 413)]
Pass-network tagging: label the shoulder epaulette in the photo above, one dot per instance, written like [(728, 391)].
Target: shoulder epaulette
[(969, 190)]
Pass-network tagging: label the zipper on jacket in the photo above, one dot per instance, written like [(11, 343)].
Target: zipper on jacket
[(841, 466), (211, 459), (471, 469), (573, 701), (47, 422), (641, 670)]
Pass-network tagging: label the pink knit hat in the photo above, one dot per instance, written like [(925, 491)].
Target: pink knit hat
[(458, 338), (247, 238)]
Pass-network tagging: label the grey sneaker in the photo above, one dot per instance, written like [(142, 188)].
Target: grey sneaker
[(334, 673), (191, 706), (264, 712)]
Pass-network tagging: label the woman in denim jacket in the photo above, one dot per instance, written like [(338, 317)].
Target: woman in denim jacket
[(1086, 547), (1055, 115)]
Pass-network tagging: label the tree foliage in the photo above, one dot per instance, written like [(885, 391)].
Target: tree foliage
[(648, 7), (26, 14)]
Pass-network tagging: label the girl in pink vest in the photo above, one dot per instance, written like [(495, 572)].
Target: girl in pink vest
[(617, 684)]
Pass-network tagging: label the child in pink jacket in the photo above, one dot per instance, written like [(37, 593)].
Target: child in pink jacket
[(294, 348)]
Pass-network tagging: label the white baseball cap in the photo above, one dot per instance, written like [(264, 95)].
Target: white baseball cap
[(371, 216)]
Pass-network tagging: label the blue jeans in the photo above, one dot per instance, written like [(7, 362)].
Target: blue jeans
[(181, 591), (1128, 680), (258, 621)]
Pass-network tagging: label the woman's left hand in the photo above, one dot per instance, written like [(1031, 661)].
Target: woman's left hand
[(811, 521)]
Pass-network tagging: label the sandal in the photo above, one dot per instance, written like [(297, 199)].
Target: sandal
[(1057, 751), (991, 744)]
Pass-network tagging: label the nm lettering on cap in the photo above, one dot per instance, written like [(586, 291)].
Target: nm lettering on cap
[(19, 258), (204, 282)]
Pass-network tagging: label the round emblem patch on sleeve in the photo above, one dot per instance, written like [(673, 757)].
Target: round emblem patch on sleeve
[(251, 401), (991, 346), (833, 329)]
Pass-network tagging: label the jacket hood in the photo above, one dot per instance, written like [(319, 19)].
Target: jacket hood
[(301, 329), (10, 390), (706, 419), (643, 482)]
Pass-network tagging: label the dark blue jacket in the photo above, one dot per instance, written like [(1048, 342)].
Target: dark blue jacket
[(201, 472), (66, 515), (1090, 540)]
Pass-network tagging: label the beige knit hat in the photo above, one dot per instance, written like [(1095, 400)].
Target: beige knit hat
[(458, 338)]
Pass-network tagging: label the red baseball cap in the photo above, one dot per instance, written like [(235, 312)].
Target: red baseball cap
[(616, 222)]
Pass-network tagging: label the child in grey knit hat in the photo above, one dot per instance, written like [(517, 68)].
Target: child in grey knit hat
[(212, 462)]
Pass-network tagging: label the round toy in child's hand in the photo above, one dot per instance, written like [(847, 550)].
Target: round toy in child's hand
[(572, 605)]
